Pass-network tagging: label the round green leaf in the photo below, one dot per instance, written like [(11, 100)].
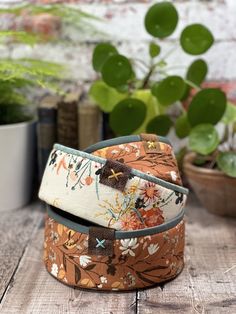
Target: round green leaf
[(197, 72), (196, 39), (227, 163), (161, 19), (154, 50), (230, 114), (152, 105), (169, 90), (186, 93), (116, 71), (101, 53), (127, 116), (182, 126), (105, 96), (160, 125), (203, 139), (207, 106), (123, 89)]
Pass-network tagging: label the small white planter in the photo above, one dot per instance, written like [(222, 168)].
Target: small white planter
[(17, 147)]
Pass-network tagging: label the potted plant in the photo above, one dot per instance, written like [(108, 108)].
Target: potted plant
[(158, 102), (210, 165), (137, 102), (28, 24), (17, 122)]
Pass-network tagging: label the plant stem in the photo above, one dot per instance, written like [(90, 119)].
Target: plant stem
[(192, 85), (147, 77), (213, 159)]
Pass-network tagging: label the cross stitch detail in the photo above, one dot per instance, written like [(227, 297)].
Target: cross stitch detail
[(100, 243), (151, 144), (115, 175)]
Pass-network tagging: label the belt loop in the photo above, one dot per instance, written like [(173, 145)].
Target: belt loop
[(150, 143)]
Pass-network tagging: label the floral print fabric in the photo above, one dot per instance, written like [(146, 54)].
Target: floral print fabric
[(136, 263), (71, 183), (162, 164)]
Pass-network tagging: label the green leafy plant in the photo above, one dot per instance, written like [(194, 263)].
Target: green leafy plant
[(67, 15), (18, 75), (145, 104)]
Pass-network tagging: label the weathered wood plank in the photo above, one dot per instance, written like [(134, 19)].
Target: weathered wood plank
[(33, 290), (16, 228), (208, 282)]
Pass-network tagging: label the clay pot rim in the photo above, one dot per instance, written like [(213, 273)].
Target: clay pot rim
[(188, 165)]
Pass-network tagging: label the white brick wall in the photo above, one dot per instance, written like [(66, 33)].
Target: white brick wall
[(123, 23)]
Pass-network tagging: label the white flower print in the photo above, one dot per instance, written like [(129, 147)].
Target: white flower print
[(131, 280), (54, 270), (137, 154), (54, 237), (84, 260), (173, 175), (51, 255), (114, 151), (103, 279), (128, 245), (153, 248)]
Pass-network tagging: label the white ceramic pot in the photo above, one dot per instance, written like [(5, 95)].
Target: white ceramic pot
[(17, 147)]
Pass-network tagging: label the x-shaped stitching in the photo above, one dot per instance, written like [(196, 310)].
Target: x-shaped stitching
[(100, 243), (115, 175), (151, 144)]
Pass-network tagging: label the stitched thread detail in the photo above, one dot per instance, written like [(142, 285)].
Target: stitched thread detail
[(115, 175), (100, 243), (151, 144)]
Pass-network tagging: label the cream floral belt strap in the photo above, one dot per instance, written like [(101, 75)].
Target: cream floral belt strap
[(127, 183)]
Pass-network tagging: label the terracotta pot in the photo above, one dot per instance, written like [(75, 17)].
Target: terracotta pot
[(216, 191)]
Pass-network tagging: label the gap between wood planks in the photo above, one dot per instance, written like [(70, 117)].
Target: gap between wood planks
[(207, 284), (16, 228)]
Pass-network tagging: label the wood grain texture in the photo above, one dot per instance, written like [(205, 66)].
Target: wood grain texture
[(208, 282), (33, 290), (16, 227)]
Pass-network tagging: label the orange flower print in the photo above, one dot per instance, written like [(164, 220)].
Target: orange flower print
[(73, 176), (89, 180), (152, 217), (131, 222), (62, 163), (150, 193)]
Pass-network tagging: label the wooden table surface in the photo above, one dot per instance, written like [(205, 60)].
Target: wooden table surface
[(207, 284)]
